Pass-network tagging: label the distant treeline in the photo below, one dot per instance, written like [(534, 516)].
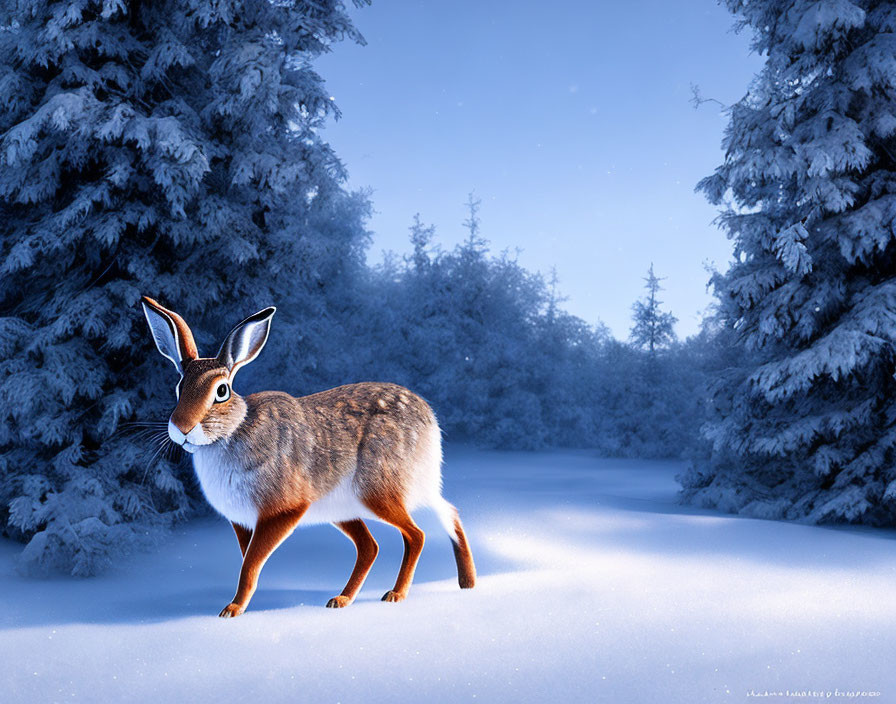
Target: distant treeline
[(488, 344)]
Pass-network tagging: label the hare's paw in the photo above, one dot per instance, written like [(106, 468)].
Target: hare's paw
[(338, 602), (231, 610), (393, 595)]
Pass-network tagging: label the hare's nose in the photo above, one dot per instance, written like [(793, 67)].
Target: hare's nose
[(177, 436)]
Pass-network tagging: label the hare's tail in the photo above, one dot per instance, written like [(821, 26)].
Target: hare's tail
[(450, 520), (430, 491)]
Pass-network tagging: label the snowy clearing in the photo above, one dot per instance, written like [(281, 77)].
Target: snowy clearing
[(594, 586)]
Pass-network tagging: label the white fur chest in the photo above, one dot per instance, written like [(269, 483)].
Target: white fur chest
[(227, 486)]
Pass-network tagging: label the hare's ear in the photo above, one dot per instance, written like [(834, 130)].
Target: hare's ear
[(172, 335), (245, 341)]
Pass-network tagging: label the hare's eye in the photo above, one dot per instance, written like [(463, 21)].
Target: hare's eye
[(222, 393)]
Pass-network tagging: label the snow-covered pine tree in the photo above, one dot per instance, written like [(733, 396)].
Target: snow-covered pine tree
[(653, 327), (651, 389), (805, 425), (167, 148)]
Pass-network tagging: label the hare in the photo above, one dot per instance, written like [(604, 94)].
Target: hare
[(269, 461)]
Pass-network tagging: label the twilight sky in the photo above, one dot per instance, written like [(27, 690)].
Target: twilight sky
[(569, 120)]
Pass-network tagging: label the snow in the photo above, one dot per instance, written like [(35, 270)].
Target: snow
[(594, 586)]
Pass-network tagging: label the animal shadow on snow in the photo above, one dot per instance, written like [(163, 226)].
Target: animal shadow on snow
[(194, 574)]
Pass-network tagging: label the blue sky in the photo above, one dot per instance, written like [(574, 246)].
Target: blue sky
[(570, 121)]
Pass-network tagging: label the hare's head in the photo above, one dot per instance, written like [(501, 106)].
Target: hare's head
[(207, 409)]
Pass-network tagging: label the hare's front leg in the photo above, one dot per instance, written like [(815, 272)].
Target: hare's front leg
[(243, 536), (367, 552), (266, 537)]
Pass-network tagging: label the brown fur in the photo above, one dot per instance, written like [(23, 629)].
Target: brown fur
[(185, 335), (390, 509), (367, 551), (243, 536), (381, 422), (466, 570), (197, 388), (267, 536), (298, 450), (308, 433)]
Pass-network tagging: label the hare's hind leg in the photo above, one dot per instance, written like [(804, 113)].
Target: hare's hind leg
[(394, 513), (450, 520), (367, 551)]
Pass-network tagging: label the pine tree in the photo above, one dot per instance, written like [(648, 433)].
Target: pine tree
[(652, 389), (168, 148), (421, 240), (653, 328), (805, 423)]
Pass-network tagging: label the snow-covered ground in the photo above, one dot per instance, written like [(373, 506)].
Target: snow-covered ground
[(594, 586)]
